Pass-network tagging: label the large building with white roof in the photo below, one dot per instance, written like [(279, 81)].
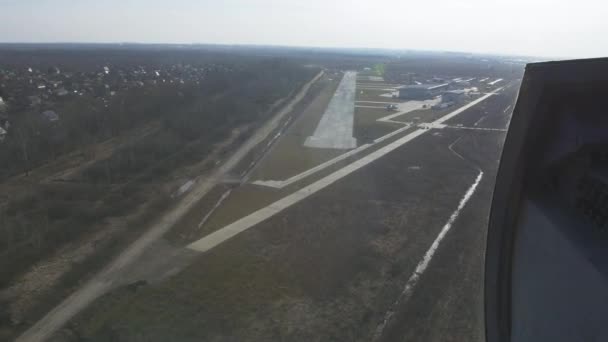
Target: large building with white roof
[(421, 91)]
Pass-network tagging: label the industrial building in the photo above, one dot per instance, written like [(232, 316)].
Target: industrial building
[(50, 115), (421, 91), (453, 96)]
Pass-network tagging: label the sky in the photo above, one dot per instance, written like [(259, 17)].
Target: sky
[(543, 28)]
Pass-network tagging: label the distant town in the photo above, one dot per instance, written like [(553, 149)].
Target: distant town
[(45, 89)]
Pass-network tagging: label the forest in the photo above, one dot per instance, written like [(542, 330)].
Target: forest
[(146, 133)]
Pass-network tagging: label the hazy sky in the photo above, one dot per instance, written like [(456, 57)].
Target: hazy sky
[(529, 27)]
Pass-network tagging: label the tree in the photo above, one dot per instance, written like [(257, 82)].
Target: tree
[(23, 139)]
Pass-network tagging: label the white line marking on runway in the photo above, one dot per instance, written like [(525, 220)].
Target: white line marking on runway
[(411, 283), (378, 85), (217, 205), (381, 102), (377, 88), (480, 120), (478, 128), (375, 107), (467, 80), (451, 148), (495, 81)]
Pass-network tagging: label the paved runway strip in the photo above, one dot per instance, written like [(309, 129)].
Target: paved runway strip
[(335, 130)]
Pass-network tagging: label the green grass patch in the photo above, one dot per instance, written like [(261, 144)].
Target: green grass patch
[(380, 69)]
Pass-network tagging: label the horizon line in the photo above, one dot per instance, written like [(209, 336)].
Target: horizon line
[(402, 50)]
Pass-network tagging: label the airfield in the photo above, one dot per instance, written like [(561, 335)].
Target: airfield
[(354, 221), (295, 167)]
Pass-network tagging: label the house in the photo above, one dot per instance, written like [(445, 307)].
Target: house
[(34, 100), (4, 123), (61, 92), (50, 115), (453, 96), (443, 105), (391, 107)]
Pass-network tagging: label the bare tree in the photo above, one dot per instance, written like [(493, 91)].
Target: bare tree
[(24, 141)]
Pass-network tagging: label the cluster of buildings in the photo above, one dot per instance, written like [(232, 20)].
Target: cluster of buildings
[(421, 91), (30, 88), (452, 91), (4, 123)]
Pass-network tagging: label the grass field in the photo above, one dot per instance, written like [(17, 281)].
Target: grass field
[(378, 69), (367, 128), (372, 95), (242, 201), (424, 115), (288, 156), (326, 268)]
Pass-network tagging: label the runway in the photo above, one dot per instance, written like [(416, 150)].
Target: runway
[(335, 130)]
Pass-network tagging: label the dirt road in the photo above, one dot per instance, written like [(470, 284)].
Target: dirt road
[(264, 131), (111, 276)]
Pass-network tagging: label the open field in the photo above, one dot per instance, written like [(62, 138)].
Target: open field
[(367, 128), (372, 95)]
